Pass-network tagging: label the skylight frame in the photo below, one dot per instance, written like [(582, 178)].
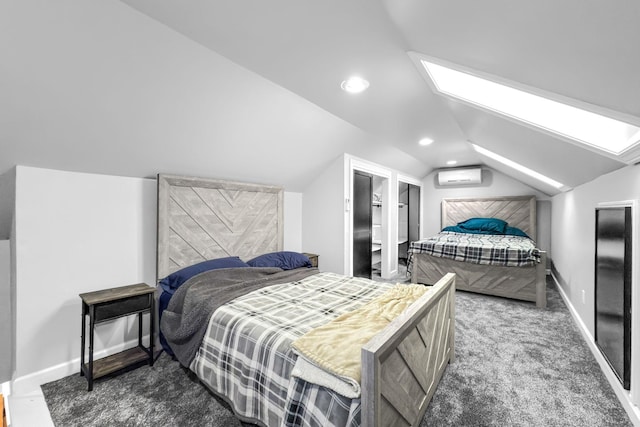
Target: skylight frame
[(521, 168), (630, 125)]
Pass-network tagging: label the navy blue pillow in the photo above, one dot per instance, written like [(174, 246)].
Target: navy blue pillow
[(285, 260), (491, 225), (176, 279)]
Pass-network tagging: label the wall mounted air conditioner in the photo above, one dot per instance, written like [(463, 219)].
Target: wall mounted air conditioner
[(467, 176)]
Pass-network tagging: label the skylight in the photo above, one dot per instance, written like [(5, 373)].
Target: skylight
[(604, 133), (519, 167)]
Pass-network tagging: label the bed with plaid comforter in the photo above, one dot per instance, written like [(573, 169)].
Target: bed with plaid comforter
[(246, 354), (488, 249)]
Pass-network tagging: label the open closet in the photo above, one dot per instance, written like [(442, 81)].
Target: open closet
[(369, 224), (385, 218), (408, 221), (362, 223), (376, 228)]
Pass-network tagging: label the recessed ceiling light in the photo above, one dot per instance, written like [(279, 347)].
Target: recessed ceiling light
[(354, 84), (425, 141), (451, 162)]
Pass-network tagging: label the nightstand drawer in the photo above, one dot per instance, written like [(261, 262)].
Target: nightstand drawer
[(313, 258), (113, 309)]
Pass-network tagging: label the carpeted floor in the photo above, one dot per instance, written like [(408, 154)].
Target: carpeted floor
[(515, 365)]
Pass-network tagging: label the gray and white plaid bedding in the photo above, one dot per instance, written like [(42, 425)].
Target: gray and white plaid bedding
[(505, 250), (246, 353)]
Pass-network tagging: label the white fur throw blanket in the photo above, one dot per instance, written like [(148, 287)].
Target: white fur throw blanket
[(330, 355)]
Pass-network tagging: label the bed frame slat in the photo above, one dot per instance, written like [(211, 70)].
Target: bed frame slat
[(524, 283), (518, 211), (201, 219), (388, 401)]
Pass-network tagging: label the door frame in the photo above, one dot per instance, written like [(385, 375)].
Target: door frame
[(352, 164), (389, 262), (409, 180), (632, 395), (361, 207), (599, 335)]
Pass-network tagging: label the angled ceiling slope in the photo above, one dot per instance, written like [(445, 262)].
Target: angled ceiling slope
[(546, 119), (309, 48), (585, 51), (580, 51)]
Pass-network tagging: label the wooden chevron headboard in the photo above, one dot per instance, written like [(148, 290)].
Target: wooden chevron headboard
[(518, 211), (201, 219)]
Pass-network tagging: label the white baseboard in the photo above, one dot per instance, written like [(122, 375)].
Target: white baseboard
[(623, 395), (27, 383), (392, 273)]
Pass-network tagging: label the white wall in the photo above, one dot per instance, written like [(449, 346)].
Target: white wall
[(494, 184), (323, 210), (12, 291), (293, 221), (98, 87), (76, 233), (5, 311), (573, 229), (573, 246)]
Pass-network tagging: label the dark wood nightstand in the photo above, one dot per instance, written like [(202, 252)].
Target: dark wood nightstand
[(109, 304), (313, 258)]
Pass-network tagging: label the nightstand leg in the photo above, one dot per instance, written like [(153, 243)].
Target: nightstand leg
[(139, 329), (82, 338), (152, 326), (91, 330)]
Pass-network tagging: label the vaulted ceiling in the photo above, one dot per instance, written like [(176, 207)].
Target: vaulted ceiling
[(584, 50)]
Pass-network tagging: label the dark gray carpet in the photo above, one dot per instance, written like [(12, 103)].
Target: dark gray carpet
[(515, 366)]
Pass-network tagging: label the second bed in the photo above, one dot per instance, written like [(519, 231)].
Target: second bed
[(518, 271)]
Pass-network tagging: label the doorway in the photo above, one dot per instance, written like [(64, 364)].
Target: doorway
[(613, 289), (362, 223), (370, 225), (408, 221), (377, 227), (371, 219)]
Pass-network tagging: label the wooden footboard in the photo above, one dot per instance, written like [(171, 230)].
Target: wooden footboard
[(523, 283), (402, 365)]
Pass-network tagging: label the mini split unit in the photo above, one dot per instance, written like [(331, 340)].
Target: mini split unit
[(466, 176)]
